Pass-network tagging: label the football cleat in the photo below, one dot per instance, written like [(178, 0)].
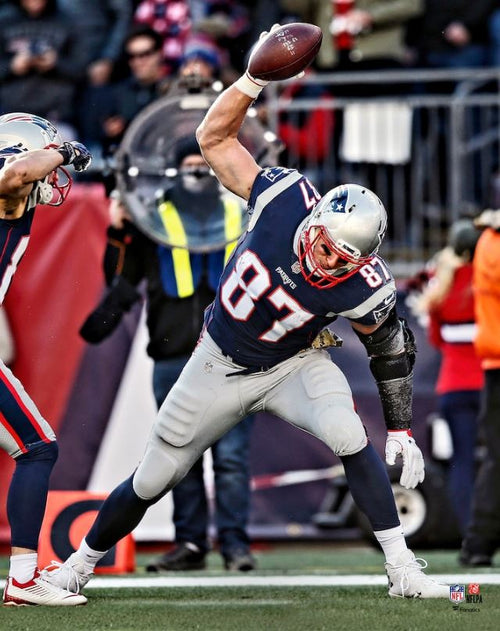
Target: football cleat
[(72, 575), (406, 579), (39, 591)]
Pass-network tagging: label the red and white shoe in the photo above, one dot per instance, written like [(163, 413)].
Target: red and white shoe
[(38, 591)]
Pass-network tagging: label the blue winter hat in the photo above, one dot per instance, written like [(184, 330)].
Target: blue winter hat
[(202, 50)]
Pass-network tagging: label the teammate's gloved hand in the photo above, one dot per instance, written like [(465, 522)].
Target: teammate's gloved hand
[(75, 153), (401, 443), (106, 317)]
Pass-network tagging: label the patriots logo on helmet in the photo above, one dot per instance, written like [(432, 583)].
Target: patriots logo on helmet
[(11, 149), (29, 118), (338, 205)]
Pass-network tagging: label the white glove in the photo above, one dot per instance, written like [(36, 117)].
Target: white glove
[(401, 443), (263, 35), (274, 27), (249, 85)]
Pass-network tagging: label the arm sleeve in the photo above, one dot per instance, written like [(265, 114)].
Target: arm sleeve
[(392, 349)]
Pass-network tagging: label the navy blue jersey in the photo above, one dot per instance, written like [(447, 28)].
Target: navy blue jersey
[(265, 311), (14, 237)]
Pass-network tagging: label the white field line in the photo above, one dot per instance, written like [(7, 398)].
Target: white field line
[(348, 580)]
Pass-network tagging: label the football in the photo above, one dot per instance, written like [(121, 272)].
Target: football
[(285, 52)]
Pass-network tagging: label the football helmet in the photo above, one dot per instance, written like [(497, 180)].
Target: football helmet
[(21, 132), (351, 220)]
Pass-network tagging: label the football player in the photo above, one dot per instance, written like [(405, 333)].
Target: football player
[(31, 158), (304, 261)]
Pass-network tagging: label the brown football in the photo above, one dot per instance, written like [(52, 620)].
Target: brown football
[(285, 52)]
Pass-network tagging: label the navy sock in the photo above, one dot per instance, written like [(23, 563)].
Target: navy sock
[(119, 515), (27, 495), (370, 487)]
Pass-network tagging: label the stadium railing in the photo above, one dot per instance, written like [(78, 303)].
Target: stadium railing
[(427, 141)]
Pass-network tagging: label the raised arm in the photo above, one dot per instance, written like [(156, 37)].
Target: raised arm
[(274, 57), (217, 135)]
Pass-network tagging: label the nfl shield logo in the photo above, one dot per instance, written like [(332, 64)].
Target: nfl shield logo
[(457, 593)]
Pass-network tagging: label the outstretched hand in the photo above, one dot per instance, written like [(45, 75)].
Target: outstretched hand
[(400, 443)]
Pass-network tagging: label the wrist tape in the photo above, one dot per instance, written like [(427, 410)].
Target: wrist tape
[(250, 86)]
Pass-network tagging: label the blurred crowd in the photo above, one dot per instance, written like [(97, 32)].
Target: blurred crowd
[(91, 65)]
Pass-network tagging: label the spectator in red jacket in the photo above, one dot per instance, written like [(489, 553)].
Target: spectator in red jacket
[(448, 301)]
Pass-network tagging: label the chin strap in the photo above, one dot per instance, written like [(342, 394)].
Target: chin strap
[(44, 193), (54, 188)]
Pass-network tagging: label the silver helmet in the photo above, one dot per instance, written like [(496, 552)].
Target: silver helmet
[(351, 220), (20, 132)]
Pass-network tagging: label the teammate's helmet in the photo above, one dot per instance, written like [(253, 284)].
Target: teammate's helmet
[(21, 132), (352, 221)]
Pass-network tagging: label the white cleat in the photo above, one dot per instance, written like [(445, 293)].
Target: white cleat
[(71, 575), (406, 579), (38, 591)]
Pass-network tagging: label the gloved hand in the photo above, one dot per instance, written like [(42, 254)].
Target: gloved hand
[(247, 84), (75, 153), (401, 443), (106, 317), (262, 36)]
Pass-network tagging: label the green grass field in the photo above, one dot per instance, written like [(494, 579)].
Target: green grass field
[(272, 607)]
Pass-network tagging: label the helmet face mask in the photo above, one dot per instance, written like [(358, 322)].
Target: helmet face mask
[(350, 222), (60, 182), (20, 132), (312, 270)]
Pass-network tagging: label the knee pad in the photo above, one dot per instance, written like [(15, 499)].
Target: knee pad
[(350, 435), (43, 451), (159, 471)]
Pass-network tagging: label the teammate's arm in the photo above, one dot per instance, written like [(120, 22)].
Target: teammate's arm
[(20, 171)]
